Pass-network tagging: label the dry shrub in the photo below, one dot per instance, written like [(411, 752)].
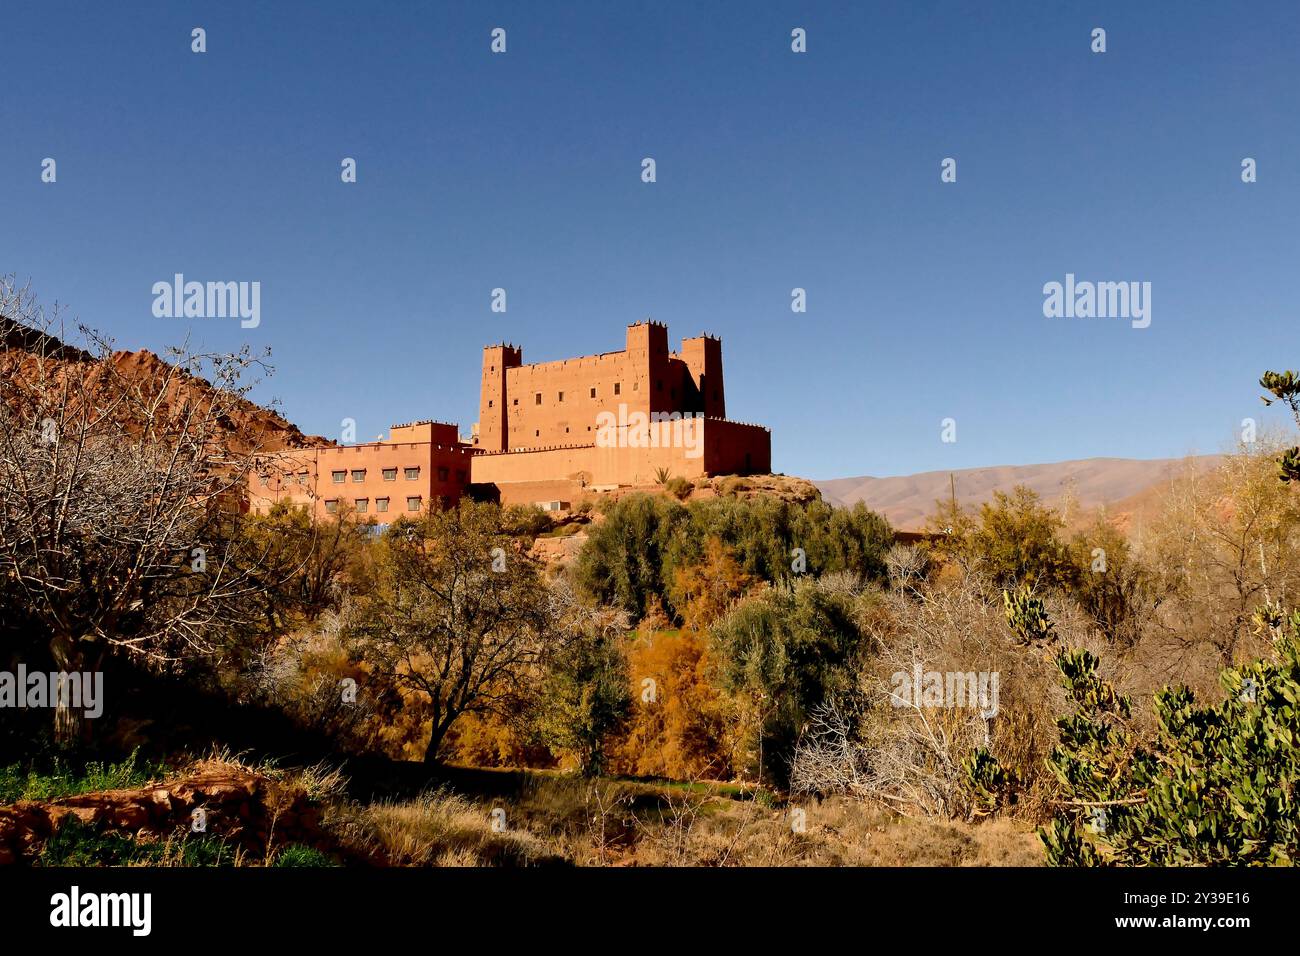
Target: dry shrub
[(683, 732), (835, 832), (1224, 542), (908, 756), (440, 829)]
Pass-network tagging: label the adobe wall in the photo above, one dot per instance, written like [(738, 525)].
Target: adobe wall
[(552, 403), (439, 433), (736, 448), (557, 403), (310, 477), (443, 471), (687, 449)]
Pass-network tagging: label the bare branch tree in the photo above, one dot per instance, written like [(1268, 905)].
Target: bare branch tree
[(117, 490)]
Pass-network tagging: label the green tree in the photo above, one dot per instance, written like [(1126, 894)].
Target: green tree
[(1285, 387), (585, 697), (460, 617), (781, 653), (1012, 540)]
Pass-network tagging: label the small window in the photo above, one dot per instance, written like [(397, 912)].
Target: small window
[(460, 475), (561, 396), (331, 506), (413, 503), (413, 474), (338, 476), (537, 434), (537, 399), (593, 393), (266, 480), (514, 401), (363, 505), (636, 386), (381, 504), (489, 403), (390, 474), (618, 388), (443, 473), (358, 475)]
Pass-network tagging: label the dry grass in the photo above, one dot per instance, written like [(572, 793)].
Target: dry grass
[(444, 829), (568, 820)]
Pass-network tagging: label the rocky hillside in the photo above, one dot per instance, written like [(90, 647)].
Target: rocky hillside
[(27, 353)]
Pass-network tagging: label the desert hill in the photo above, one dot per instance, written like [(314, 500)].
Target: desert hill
[(1122, 484)]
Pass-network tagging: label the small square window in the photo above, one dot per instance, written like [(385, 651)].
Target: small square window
[(338, 476), (618, 388), (390, 474), (381, 504), (593, 393), (561, 396), (331, 506), (413, 474), (413, 503), (537, 399), (460, 475), (489, 403), (537, 434), (362, 505), (266, 480), (443, 473), (514, 401), (358, 475)]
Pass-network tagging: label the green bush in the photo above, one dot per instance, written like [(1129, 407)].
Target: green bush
[(1216, 785), (42, 779), (781, 654), (635, 553), (78, 844), (298, 856)]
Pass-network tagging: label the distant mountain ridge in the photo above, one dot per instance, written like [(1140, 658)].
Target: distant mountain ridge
[(908, 500)]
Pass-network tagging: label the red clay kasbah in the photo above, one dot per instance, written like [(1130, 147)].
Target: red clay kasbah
[(547, 434)]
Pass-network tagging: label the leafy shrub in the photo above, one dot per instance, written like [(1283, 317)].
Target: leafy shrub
[(41, 780), (1214, 785), (780, 654), (634, 555), (679, 488), (297, 855), (77, 844)]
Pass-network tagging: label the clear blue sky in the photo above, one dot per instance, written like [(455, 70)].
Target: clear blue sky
[(775, 170)]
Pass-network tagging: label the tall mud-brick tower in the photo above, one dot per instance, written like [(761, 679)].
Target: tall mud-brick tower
[(494, 406), (703, 358)]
